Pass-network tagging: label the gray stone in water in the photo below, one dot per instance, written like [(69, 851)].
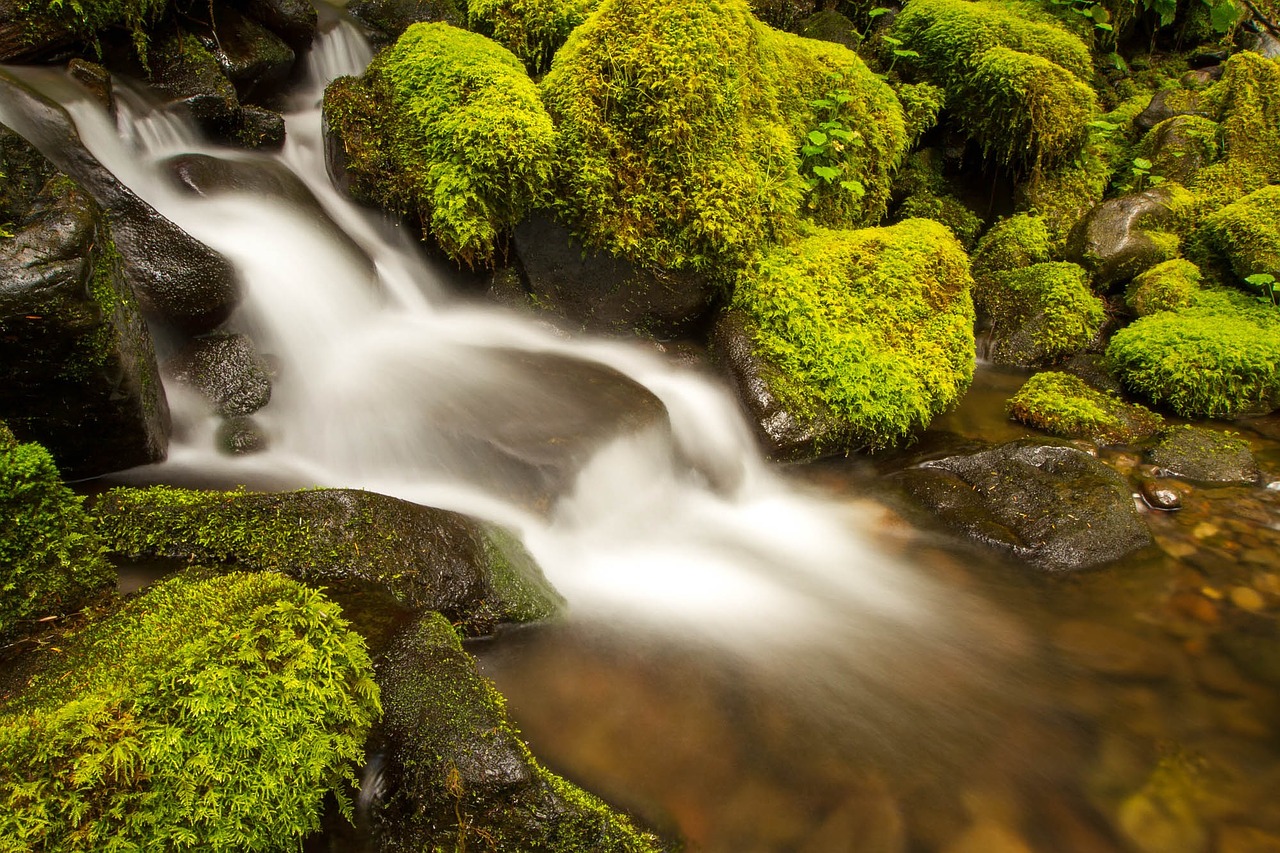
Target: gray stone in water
[(77, 369), (1111, 242), (259, 129), (603, 293), (225, 369), (1197, 453), (252, 57), (183, 70), (176, 278), (1050, 504), (97, 80), (240, 436)]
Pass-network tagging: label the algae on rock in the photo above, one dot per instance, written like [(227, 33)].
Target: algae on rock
[(214, 714), (1065, 406)]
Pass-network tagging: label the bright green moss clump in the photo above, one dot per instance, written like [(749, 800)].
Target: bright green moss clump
[(1064, 405), (1012, 243), (1041, 313), (874, 327), (682, 127), (51, 560), (531, 29), (1219, 358), (447, 126), (211, 715), (1247, 233), (1169, 286)]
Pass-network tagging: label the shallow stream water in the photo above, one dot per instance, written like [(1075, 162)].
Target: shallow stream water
[(752, 658)]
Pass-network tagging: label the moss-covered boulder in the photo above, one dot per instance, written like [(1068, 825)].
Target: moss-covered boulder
[(869, 332), (1169, 286), (34, 31), (1012, 243), (1205, 455), (690, 134), (447, 127), (425, 558), (1246, 233), (1179, 147), (1014, 74), (531, 29), (51, 559), (1039, 314), (458, 774), (1218, 358), (70, 327), (1064, 405), (208, 714)]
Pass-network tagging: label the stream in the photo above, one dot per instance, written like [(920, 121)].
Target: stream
[(752, 658)]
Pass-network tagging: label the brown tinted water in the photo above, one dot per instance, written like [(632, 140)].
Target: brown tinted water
[(1131, 708)]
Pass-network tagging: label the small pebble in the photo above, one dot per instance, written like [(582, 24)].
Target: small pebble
[(1247, 599), (1274, 485), (1159, 495), (1205, 529), (1268, 582)]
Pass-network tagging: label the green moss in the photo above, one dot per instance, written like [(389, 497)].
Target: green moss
[(1246, 233), (1064, 405), (1177, 144), (1218, 358), (471, 782), (1041, 313), (1012, 243), (51, 560), (447, 126), (681, 127), (874, 326), (86, 19), (531, 29), (1169, 286), (924, 195), (1014, 74), (1249, 98), (921, 104), (213, 714)]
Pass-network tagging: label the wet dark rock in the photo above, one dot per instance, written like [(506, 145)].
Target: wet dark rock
[(28, 36), (786, 436), (183, 70), (176, 278), (1112, 242), (1259, 42), (1198, 453), (1159, 494), (455, 770), (1208, 57), (603, 293), (1165, 104), (427, 559), (77, 369), (1201, 78), (1050, 504), (259, 129), (252, 57), (240, 436), (205, 175), (97, 80), (387, 19), (224, 369), (294, 21), (1092, 368)]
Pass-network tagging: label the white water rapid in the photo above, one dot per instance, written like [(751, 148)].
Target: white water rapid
[(670, 525)]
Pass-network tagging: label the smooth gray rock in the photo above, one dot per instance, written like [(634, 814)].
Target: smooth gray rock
[(1112, 240)]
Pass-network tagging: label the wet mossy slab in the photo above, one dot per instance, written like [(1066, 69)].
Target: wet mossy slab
[(1050, 504), (427, 559), (1205, 455), (1066, 406), (458, 774)]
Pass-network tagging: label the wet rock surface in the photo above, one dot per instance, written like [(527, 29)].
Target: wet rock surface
[(1198, 453), (1112, 240), (226, 370), (385, 20), (1052, 505), (602, 293)]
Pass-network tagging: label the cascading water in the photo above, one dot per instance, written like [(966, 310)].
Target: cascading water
[(665, 525)]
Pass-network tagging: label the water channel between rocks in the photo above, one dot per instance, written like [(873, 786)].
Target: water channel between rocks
[(754, 659)]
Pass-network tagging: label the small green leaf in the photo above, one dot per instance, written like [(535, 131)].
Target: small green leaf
[(817, 137), (854, 187), (1141, 163), (878, 11), (827, 173)]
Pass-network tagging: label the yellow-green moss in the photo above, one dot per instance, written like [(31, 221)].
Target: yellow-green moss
[(1012, 243), (447, 126), (531, 29), (51, 560), (1218, 358), (1248, 96), (681, 127), (1169, 286), (1041, 313), (1246, 233), (924, 195), (214, 714), (1064, 405), (873, 326)]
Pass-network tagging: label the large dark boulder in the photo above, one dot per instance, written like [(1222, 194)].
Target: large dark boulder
[(604, 293), (186, 73), (385, 20), (1119, 238), (426, 559), (457, 774), (176, 278), (294, 21), (1050, 504), (77, 368), (252, 57)]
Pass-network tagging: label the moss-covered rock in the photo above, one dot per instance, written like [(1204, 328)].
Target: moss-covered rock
[(210, 714), (1206, 455), (460, 777), (689, 135), (1013, 73), (1040, 314), (1064, 405), (1218, 358), (51, 559), (924, 194), (1169, 286), (446, 126), (1122, 237), (386, 20), (1179, 147), (1246, 233), (531, 29), (30, 31), (872, 329), (426, 558), (1012, 243)]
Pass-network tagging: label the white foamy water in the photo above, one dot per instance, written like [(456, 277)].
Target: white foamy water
[(387, 382)]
